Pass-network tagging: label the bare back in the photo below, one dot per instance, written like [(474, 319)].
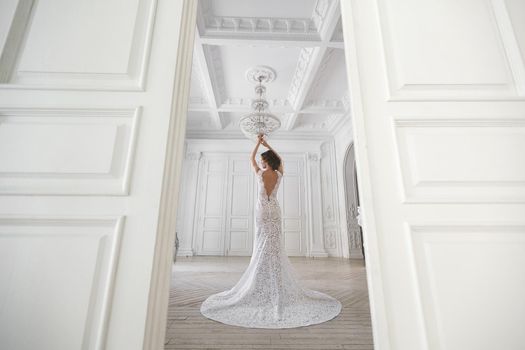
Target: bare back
[(269, 178)]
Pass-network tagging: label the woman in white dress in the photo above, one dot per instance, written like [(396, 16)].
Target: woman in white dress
[(268, 294)]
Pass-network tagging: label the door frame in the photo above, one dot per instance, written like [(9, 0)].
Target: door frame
[(164, 248)]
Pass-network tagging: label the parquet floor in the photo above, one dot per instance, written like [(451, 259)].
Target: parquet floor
[(195, 278)]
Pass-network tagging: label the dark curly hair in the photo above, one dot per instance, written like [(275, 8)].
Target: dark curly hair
[(271, 158)]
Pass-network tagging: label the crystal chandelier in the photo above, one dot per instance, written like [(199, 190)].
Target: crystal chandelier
[(260, 121)]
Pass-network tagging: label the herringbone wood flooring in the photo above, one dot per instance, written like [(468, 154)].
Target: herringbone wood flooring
[(195, 278)]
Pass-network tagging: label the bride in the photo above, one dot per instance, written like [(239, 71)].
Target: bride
[(268, 294)]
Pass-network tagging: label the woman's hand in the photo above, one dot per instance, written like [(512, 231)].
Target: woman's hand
[(263, 141)]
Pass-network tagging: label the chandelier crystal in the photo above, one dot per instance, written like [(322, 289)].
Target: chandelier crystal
[(260, 121)]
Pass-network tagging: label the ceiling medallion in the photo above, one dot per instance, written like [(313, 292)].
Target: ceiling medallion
[(260, 121)]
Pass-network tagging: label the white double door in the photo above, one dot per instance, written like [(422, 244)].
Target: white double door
[(87, 89), (225, 208)]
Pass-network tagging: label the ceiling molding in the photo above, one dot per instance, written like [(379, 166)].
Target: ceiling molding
[(332, 14), (309, 61), (249, 41), (237, 134), (315, 27)]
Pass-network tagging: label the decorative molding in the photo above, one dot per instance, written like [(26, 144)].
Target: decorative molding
[(305, 57), (278, 135), (326, 124), (194, 155), (320, 13), (323, 104), (212, 25), (330, 240), (314, 157), (345, 100), (244, 103), (113, 178), (265, 73), (259, 25)]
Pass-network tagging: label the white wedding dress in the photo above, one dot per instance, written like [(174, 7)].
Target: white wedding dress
[(268, 294)]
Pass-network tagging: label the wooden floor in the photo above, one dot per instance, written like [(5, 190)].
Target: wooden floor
[(195, 278)]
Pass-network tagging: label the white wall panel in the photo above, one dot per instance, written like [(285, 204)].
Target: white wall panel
[(210, 216), (99, 45), (292, 197), (66, 151), (81, 257), (420, 66), (454, 288), (462, 159)]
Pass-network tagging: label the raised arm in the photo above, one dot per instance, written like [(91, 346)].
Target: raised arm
[(265, 144), (255, 166)]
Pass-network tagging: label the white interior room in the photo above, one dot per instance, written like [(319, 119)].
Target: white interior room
[(309, 94), (302, 55)]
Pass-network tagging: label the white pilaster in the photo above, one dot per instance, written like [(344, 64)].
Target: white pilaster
[(187, 198), (316, 241)]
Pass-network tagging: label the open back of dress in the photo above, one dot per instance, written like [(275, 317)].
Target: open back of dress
[(268, 294)]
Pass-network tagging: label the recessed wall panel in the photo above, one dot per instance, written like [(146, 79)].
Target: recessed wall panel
[(37, 255), (88, 45), (421, 66), (461, 159), (66, 151), (471, 280)]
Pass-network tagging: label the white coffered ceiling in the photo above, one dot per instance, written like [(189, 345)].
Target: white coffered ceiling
[(300, 39)]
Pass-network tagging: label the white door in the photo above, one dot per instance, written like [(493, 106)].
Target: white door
[(224, 220), (239, 207), (211, 221), (86, 92), (292, 197), (438, 97)]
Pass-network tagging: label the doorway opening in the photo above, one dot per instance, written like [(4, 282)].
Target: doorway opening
[(318, 196)]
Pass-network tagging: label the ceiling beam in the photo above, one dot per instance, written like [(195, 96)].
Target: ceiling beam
[(209, 91), (303, 79), (308, 66), (235, 40), (332, 18), (275, 110)]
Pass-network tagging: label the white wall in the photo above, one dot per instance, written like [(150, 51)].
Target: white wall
[(308, 196)]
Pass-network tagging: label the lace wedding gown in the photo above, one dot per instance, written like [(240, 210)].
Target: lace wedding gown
[(268, 294)]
